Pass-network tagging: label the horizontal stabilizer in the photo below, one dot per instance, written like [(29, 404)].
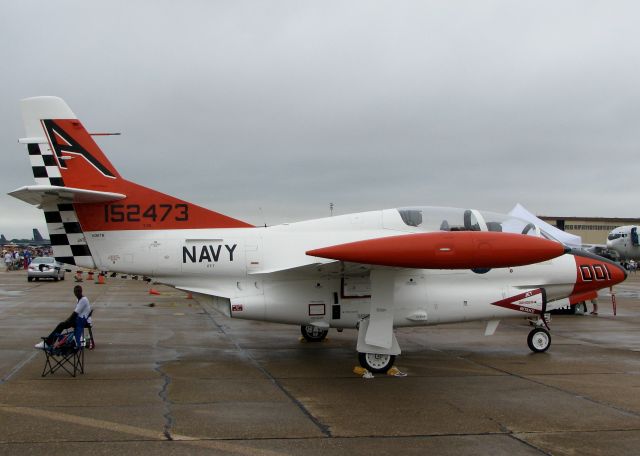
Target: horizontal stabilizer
[(44, 194)]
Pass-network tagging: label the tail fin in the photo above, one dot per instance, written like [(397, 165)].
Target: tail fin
[(94, 196), (37, 236)]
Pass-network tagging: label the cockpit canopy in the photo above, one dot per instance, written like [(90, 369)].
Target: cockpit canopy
[(426, 218), (613, 236)]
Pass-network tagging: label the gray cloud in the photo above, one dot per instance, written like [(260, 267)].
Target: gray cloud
[(287, 106)]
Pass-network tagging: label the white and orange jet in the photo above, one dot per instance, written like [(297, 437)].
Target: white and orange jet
[(374, 271)]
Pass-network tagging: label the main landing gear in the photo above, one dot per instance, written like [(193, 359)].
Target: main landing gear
[(380, 353), (313, 333)]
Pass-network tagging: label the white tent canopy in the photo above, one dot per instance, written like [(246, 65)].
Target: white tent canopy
[(568, 239)]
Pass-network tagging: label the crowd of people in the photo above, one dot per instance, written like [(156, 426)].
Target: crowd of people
[(16, 258)]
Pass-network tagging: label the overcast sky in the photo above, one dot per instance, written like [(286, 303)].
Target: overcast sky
[(269, 111)]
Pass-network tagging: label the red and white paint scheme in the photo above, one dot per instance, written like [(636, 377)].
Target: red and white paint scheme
[(374, 271)]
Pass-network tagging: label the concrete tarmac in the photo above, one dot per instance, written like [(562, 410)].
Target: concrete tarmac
[(169, 375)]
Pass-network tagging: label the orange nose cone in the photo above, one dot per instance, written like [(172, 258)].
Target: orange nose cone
[(618, 274), (594, 273)]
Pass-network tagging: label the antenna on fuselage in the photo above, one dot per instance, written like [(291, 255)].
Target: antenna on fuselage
[(264, 220)]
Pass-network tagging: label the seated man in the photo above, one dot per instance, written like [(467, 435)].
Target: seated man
[(77, 320)]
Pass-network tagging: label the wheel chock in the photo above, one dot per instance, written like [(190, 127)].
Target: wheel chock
[(395, 372), (362, 372)]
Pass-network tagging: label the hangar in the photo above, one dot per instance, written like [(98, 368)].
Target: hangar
[(593, 230)]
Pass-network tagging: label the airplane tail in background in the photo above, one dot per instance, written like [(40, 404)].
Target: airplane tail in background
[(37, 236), (80, 190)]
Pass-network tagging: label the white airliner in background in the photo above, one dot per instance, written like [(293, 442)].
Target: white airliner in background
[(624, 241), (371, 271)]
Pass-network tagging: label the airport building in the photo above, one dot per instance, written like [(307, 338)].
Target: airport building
[(593, 230)]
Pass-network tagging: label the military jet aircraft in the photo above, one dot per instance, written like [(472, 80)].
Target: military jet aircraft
[(37, 240), (372, 271)]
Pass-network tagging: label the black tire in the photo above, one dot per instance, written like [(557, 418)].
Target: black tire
[(378, 364), (29, 279), (312, 333), (539, 340), (55, 279)]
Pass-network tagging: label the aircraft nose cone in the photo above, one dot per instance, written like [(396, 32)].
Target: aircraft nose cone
[(618, 273), (594, 272)]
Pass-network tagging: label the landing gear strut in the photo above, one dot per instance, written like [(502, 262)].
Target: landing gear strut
[(375, 362), (539, 340), (312, 333)]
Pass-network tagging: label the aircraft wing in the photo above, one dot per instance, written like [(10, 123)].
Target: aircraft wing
[(330, 268)]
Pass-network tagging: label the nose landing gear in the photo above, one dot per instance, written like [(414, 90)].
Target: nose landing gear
[(539, 340)]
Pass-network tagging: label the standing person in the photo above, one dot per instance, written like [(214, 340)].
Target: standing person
[(8, 259), (594, 302), (17, 259), (77, 320), (26, 255)]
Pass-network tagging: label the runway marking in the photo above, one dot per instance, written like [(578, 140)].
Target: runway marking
[(17, 368), (138, 431)]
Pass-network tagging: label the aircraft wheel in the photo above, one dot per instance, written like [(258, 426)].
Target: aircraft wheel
[(312, 333), (375, 362), (539, 340)]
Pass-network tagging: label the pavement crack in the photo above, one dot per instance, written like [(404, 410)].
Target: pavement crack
[(557, 388), (527, 443), (164, 396), (323, 428)]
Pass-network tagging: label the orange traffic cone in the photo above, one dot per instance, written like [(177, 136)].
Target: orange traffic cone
[(78, 276), (90, 275), (189, 295), (101, 280), (153, 291)]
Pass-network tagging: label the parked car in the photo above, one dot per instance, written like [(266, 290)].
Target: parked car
[(45, 268)]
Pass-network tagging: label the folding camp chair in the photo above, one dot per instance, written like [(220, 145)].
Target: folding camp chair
[(64, 354), (90, 342)]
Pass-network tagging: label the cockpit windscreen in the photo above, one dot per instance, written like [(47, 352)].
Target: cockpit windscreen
[(428, 218)]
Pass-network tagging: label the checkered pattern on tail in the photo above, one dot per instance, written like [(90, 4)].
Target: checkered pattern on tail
[(67, 239), (44, 166)]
